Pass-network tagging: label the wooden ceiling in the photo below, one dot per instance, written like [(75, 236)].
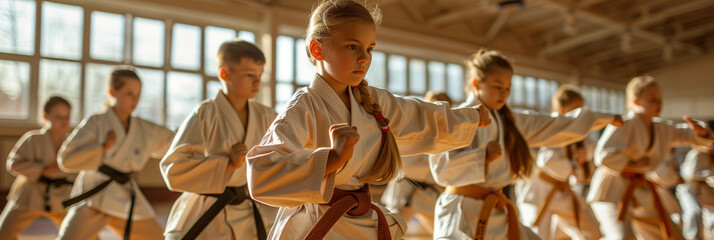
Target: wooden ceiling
[(618, 37)]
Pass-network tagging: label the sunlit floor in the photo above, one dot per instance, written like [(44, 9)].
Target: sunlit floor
[(44, 229)]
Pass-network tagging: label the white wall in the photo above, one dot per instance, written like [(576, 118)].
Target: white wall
[(688, 88)]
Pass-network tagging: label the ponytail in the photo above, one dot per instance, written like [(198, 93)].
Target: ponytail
[(389, 162), (516, 146)]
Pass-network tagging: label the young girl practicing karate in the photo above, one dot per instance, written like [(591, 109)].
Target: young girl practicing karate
[(547, 203), (623, 194), (39, 186), (339, 135), (207, 158), (106, 149), (473, 204)]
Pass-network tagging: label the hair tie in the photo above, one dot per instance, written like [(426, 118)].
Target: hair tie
[(355, 86), (385, 129), (379, 116)]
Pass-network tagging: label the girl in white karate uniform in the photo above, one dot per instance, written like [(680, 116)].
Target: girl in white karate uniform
[(206, 158), (473, 204), (39, 186), (415, 194), (333, 138), (106, 149), (547, 202), (697, 193), (623, 192)]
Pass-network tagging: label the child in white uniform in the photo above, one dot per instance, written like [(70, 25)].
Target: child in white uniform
[(39, 186), (339, 135), (473, 204), (547, 203), (106, 149), (696, 195), (623, 193), (206, 160)]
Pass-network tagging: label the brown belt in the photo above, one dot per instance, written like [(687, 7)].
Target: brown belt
[(699, 185), (356, 203), (562, 187), (491, 199), (637, 180)]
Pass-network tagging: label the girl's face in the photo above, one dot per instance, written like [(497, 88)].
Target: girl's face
[(127, 97), (58, 117), (495, 89), (344, 57), (650, 101), (576, 103)]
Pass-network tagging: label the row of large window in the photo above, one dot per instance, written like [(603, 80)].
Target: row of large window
[(177, 77)]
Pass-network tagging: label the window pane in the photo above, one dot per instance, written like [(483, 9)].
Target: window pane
[(283, 92), (212, 89), (377, 73), (148, 42), (284, 49), (247, 36), (14, 89), (215, 36), (604, 98), (17, 26), (185, 90), (62, 79), (95, 87), (455, 76), (544, 95), (61, 31), (436, 76), (151, 103), (398, 74), (417, 77), (530, 90), (107, 36), (305, 69), (517, 95), (186, 47)]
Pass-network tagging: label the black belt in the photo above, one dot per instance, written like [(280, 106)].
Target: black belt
[(114, 175), (231, 196), (420, 185), (51, 182)]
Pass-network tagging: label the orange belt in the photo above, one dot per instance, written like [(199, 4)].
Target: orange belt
[(562, 187), (356, 203), (491, 199), (637, 180)]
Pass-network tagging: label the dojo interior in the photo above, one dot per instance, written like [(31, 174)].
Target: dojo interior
[(68, 47)]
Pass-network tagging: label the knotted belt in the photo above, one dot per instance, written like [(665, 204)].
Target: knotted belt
[(114, 176), (52, 182), (637, 180), (558, 186), (230, 196), (491, 199), (355, 203)]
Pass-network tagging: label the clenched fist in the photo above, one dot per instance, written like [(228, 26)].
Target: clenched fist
[(343, 139), (238, 152), (483, 118), (111, 140)]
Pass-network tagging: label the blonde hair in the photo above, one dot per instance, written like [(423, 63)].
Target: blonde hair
[(433, 96), (480, 65), (565, 95), (327, 16), (636, 86), (234, 50), (331, 14)]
